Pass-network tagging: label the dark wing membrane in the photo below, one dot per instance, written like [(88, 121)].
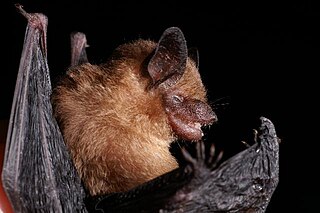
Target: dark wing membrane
[(243, 183), (38, 174)]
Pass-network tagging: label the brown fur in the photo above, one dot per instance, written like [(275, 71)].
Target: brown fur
[(115, 126)]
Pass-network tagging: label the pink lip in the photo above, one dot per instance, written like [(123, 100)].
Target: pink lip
[(186, 131)]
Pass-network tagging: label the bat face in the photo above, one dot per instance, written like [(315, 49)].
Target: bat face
[(119, 118), (183, 93)]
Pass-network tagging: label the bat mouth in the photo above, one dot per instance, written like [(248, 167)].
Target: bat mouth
[(187, 116), (191, 131), (196, 128)]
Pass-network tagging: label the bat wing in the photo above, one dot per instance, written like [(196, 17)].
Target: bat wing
[(38, 174), (243, 183)]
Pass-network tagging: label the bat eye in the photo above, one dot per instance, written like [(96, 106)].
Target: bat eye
[(177, 99)]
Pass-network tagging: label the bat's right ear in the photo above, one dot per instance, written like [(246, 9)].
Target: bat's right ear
[(168, 63)]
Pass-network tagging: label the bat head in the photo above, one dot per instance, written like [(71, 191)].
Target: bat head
[(177, 78)]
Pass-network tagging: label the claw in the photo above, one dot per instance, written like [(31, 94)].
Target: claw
[(255, 135), (246, 144), (39, 21)]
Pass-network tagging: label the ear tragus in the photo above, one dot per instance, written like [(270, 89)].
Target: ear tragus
[(168, 63)]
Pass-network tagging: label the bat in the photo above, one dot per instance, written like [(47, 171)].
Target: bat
[(118, 120), (128, 110)]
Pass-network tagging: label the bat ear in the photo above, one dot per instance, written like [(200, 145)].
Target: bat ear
[(168, 63), (193, 53)]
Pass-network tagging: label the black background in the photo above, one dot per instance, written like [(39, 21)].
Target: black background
[(259, 58)]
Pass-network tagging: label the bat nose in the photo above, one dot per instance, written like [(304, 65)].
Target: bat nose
[(212, 117), (205, 113)]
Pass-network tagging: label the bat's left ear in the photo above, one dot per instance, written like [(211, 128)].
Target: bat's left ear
[(168, 63)]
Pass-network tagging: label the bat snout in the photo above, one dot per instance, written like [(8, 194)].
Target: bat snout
[(204, 113), (188, 116)]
